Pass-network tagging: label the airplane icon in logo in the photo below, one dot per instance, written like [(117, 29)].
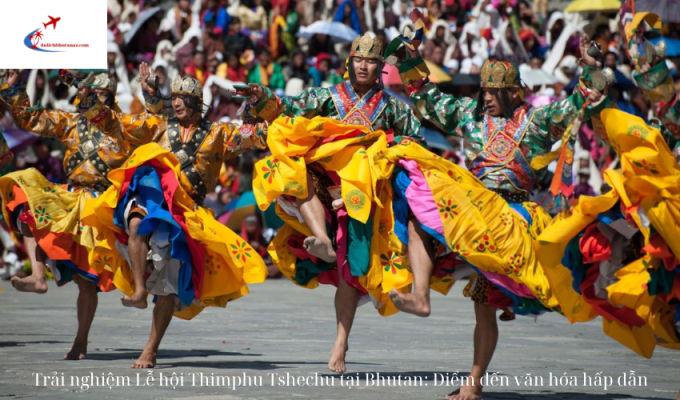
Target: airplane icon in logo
[(53, 22)]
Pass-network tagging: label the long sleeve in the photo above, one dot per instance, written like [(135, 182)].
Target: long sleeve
[(657, 85), (54, 124), (140, 129), (401, 118), (310, 103), (239, 140), (553, 119), (445, 111)]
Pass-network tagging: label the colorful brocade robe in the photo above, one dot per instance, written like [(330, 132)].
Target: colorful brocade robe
[(499, 150), (376, 110)]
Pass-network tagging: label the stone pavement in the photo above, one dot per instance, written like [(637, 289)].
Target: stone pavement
[(282, 329)]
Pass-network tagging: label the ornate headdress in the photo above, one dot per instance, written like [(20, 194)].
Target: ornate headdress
[(187, 85), (499, 75), (367, 47), (104, 81)]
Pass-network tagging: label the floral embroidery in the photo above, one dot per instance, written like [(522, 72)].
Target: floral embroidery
[(506, 218), (486, 244), (391, 262), (647, 166), (458, 250), (293, 188), (42, 215), (270, 169), (517, 261), (49, 189), (355, 200), (638, 132), (241, 250), (447, 209)]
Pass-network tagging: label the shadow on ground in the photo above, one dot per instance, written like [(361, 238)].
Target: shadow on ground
[(120, 354)]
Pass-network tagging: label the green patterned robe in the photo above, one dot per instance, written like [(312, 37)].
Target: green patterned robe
[(316, 101), (657, 85), (498, 150)]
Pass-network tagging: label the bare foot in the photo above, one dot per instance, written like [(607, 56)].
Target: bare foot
[(411, 303), (337, 362), (78, 352), (466, 393), (319, 249), (30, 284), (138, 301), (146, 360)]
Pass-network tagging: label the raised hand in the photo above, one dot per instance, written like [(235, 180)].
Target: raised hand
[(146, 75), (584, 44), (252, 91)]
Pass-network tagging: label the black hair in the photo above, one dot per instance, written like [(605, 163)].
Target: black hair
[(616, 56), (234, 20), (503, 98), (600, 31)]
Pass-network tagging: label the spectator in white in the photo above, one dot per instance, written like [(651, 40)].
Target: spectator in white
[(472, 44), (566, 70), (165, 54), (507, 46), (374, 15), (441, 31), (116, 68), (555, 27), (37, 89)]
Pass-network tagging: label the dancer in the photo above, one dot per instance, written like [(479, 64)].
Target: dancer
[(483, 216), (338, 217), (174, 247), (616, 255), (49, 215)]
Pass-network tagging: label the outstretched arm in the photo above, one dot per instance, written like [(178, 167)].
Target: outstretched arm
[(446, 111), (239, 140), (268, 106)]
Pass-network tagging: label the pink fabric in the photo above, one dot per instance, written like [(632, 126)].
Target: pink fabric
[(506, 282), (419, 197), (421, 202)]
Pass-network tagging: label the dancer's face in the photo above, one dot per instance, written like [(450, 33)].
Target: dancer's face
[(494, 104), (365, 70), (182, 112), (103, 95), (83, 91)]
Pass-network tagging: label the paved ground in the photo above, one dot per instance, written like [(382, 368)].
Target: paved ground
[(282, 329)]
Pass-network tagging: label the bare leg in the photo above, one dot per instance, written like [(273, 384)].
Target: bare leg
[(36, 282), (314, 216), (346, 300), (162, 315), (486, 338), (421, 259), (87, 307), (139, 250)]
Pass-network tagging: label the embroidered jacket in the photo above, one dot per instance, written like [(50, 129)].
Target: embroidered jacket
[(499, 150), (95, 140), (200, 149), (377, 110)]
